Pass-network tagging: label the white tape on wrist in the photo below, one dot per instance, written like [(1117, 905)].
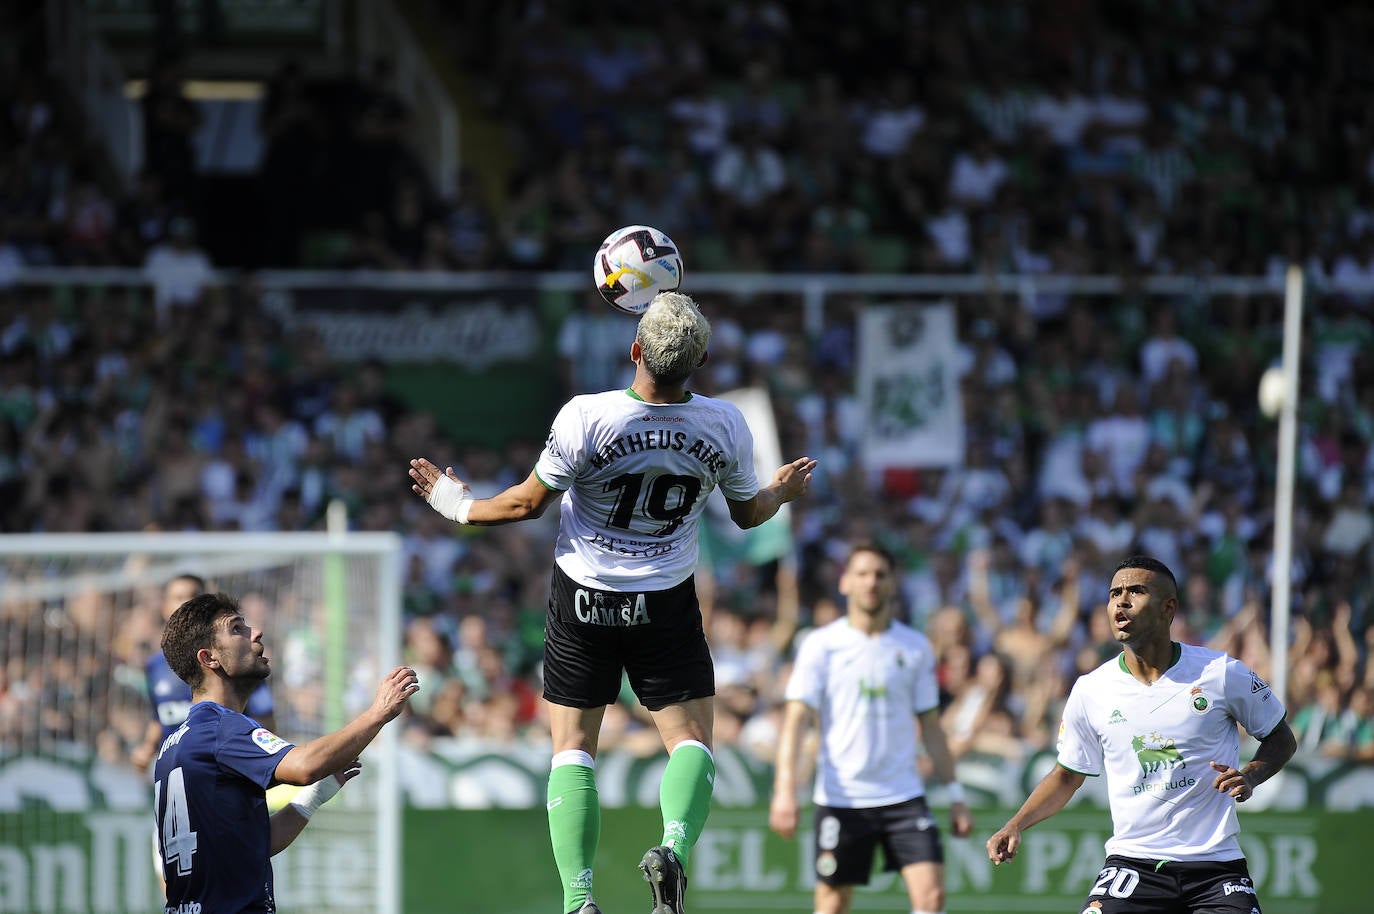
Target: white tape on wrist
[(309, 799), (954, 791), (451, 499)]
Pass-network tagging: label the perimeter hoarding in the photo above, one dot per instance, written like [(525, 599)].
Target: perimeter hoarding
[(499, 861), (75, 839)]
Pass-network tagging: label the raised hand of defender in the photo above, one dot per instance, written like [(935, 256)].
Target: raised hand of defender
[(395, 691)]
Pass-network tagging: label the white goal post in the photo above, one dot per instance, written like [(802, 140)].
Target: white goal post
[(79, 614)]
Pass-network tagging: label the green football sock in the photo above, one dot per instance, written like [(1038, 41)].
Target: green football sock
[(684, 796), (574, 829)]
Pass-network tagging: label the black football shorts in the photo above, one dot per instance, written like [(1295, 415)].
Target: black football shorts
[(655, 637), (1130, 886), (845, 839)]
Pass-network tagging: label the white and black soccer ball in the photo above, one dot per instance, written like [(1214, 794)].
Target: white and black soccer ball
[(634, 264)]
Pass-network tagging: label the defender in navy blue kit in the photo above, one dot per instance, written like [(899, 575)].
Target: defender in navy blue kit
[(212, 779), (215, 836), (170, 697)]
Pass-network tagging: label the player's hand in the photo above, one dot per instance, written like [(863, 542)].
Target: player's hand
[(1004, 844), (1233, 782), (445, 492), (782, 816), (426, 475), (395, 691), (793, 479), (350, 771), (960, 820)]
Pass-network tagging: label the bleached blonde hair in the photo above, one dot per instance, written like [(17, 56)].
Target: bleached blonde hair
[(673, 335)]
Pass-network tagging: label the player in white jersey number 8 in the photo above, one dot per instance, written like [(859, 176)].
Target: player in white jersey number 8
[(866, 680), (633, 469), (1160, 721)]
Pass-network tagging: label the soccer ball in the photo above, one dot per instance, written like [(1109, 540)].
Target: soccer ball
[(634, 264)]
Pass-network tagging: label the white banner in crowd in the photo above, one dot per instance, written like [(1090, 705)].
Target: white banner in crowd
[(773, 538), (909, 386)]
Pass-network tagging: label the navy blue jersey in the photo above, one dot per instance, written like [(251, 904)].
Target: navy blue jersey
[(210, 803), (171, 698)]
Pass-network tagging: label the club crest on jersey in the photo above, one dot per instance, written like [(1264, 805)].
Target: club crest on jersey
[(1200, 702), (1116, 718), (268, 741)]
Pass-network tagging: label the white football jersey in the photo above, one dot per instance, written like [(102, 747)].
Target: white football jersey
[(1155, 741), (868, 690), (636, 477)]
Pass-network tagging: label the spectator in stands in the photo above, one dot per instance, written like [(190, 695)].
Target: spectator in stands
[(594, 348), (178, 269), (747, 175), (894, 117), (1273, 184), (977, 175), (980, 719)]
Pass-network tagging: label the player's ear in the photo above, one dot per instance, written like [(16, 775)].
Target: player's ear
[(704, 357), (206, 657), (636, 353)]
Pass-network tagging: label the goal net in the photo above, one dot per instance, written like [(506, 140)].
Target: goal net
[(80, 615)]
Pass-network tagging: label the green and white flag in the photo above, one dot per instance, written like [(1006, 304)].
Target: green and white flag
[(721, 540), (909, 387)]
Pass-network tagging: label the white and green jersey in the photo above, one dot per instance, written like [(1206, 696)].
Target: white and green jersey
[(867, 690), (1155, 742), (636, 477)]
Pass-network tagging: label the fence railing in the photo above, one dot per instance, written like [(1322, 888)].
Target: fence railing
[(813, 290)]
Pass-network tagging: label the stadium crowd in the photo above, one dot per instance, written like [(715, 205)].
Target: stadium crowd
[(1190, 138)]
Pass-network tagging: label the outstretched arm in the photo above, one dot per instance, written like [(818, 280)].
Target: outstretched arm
[(451, 497), (1048, 797), (790, 482), (333, 752)]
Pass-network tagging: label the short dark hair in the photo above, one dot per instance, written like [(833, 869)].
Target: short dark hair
[(1148, 563), (191, 628), (874, 547)]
